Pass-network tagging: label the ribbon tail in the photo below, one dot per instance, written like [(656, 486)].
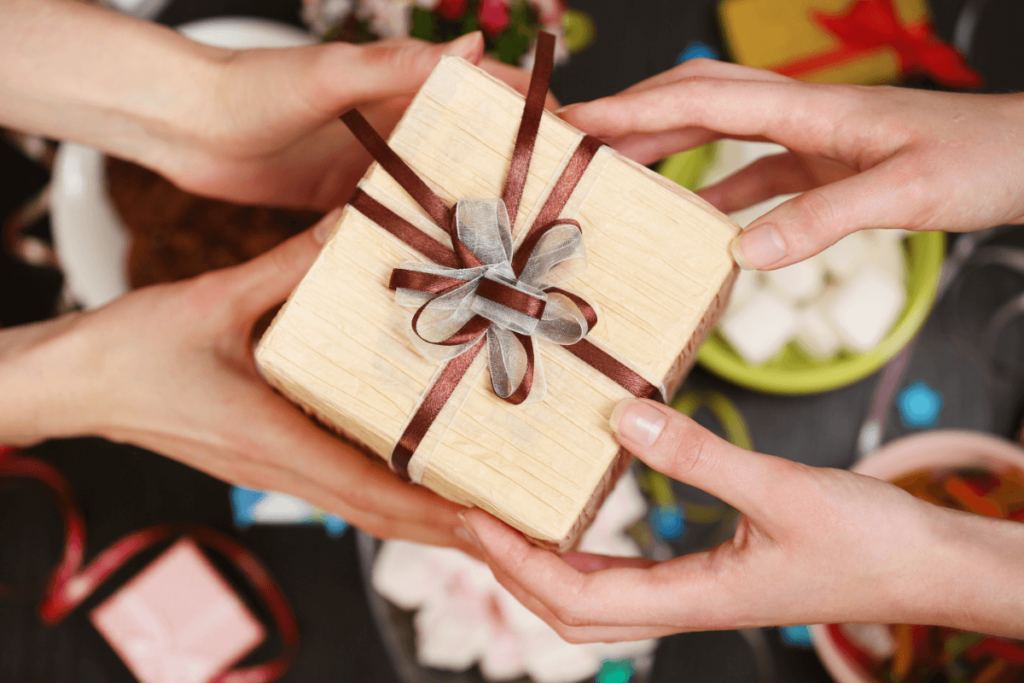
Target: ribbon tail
[(513, 365)]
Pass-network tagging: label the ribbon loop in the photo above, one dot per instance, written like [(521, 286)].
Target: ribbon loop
[(482, 226), (455, 306)]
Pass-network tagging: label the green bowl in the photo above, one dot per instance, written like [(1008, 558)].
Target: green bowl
[(793, 372)]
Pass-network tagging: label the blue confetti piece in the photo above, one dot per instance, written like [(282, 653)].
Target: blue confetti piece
[(919, 406), (242, 502), (796, 636), (696, 49), (667, 522), (335, 525), (616, 671)]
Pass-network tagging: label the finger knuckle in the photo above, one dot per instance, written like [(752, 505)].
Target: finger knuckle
[(360, 498), (573, 636), (570, 614), (692, 449), (404, 58), (206, 294), (817, 218)]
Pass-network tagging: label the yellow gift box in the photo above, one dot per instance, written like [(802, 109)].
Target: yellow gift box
[(842, 41)]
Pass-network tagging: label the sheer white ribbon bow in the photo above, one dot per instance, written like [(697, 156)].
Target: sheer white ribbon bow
[(482, 225)]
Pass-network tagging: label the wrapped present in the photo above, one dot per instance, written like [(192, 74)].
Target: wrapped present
[(591, 280), (843, 41), (178, 621)]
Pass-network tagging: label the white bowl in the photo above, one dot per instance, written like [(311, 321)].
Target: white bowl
[(90, 239), (934, 450)]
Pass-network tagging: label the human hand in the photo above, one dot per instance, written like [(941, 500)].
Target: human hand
[(270, 133), (863, 157), (291, 149), (251, 126), (170, 368), (813, 546)]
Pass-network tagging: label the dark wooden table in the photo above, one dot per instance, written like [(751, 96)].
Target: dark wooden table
[(122, 488)]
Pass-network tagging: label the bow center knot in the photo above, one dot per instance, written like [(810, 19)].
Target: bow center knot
[(509, 296)]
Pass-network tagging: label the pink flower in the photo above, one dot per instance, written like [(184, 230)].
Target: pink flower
[(451, 10), (493, 16)]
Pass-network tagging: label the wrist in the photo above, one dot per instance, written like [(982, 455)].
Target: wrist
[(77, 72), (976, 578), (41, 382)]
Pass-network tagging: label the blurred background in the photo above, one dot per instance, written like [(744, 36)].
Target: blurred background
[(946, 356)]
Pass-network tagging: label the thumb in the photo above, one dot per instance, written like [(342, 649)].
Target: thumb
[(675, 445), (392, 68), (815, 220), (268, 279)]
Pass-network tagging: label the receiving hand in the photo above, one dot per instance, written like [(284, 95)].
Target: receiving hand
[(813, 546), (863, 157), (170, 368)]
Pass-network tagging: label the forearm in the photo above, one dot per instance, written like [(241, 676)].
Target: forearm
[(979, 574), (78, 72), (40, 389)]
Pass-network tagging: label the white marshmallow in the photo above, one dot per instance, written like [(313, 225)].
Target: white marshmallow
[(800, 282), (866, 309), (888, 256), (747, 284), (814, 334), (761, 329), (844, 258)]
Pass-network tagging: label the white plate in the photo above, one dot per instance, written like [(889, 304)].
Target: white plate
[(91, 241)]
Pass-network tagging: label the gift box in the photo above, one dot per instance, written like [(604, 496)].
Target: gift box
[(484, 362), (842, 41), (178, 621)]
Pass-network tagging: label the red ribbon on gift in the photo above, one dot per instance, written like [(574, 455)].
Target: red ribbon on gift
[(872, 24)]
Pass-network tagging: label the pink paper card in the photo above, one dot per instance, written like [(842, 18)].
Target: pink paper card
[(178, 620)]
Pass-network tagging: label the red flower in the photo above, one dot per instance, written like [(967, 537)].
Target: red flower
[(451, 10), (493, 16)]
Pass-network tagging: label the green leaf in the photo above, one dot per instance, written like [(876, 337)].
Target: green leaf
[(422, 24)]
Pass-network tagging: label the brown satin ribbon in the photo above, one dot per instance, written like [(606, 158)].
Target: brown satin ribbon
[(460, 256)]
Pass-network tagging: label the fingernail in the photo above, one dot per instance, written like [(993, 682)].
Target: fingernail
[(461, 45), (758, 247), (326, 226), (563, 110), (466, 533), (637, 421)]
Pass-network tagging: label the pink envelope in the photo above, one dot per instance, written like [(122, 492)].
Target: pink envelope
[(178, 620)]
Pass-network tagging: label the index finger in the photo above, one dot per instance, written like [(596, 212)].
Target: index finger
[(797, 115)]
